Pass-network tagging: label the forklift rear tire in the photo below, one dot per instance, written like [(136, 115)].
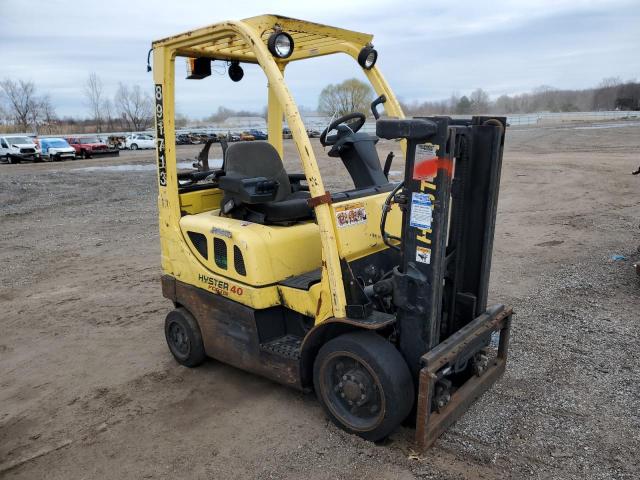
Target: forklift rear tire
[(364, 384), (184, 338)]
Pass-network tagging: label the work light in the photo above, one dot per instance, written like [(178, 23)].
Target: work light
[(280, 44), (235, 71), (367, 57)]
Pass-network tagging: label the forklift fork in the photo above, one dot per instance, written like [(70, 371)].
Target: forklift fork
[(431, 423)]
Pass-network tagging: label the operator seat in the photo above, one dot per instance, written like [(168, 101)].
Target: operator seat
[(260, 159)]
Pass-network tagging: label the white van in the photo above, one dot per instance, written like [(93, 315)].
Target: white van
[(15, 148), (56, 149)]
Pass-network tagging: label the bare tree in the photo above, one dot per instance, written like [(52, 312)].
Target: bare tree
[(453, 102), (134, 106), (94, 92), (610, 82), (347, 97), (47, 113), (21, 96), (108, 114), (4, 115), (479, 101)]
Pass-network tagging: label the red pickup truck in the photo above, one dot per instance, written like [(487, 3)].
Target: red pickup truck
[(91, 146)]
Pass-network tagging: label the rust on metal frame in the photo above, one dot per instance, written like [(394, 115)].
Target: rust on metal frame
[(313, 202)]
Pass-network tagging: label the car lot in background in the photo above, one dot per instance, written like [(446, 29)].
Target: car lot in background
[(246, 136), (55, 149), (16, 148), (139, 141)]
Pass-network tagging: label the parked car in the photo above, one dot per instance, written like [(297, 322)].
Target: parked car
[(87, 147), (244, 136), (258, 134), (232, 137), (183, 139), (55, 149), (313, 133), (139, 141), (286, 133), (16, 148)]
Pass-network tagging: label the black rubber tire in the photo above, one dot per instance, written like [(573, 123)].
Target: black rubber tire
[(134, 146), (394, 385), (190, 352)]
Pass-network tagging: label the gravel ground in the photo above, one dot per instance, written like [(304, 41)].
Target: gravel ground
[(88, 388)]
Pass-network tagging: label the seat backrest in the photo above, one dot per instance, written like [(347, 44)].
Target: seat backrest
[(257, 159)]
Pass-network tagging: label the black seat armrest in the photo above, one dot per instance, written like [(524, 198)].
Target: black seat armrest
[(251, 191), (295, 179)]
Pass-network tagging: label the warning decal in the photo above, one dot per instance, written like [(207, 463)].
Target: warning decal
[(423, 255), (426, 162), (421, 211), (351, 214)]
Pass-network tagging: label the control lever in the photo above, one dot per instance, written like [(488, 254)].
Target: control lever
[(387, 164), (374, 106)]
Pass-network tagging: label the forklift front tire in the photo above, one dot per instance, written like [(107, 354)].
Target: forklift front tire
[(184, 338), (363, 384)]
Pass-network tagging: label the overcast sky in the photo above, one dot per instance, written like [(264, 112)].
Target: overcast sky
[(427, 49)]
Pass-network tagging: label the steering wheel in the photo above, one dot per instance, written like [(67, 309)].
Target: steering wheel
[(361, 118)]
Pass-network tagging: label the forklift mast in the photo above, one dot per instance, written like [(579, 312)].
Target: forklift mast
[(449, 201)]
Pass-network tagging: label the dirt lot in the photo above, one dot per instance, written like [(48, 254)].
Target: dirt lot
[(88, 388)]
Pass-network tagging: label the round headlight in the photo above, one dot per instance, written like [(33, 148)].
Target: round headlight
[(280, 44), (367, 57)]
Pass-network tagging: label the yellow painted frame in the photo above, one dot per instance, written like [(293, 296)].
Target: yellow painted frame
[(245, 41)]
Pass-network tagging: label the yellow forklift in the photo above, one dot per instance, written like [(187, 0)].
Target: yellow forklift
[(375, 297)]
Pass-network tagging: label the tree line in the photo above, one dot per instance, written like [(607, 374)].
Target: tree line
[(611, 94), (24, 109)]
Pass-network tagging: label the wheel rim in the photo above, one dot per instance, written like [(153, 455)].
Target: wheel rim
[(178, 338), (352, 391)]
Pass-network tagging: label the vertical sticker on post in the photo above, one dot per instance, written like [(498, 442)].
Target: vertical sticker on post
[(426, 162), (162, 161), (423, 255), (421, 211)]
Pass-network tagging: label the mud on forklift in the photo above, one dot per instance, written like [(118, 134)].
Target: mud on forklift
[(375, 297)]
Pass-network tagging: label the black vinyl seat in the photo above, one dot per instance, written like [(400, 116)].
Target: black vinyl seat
[(248, 160)]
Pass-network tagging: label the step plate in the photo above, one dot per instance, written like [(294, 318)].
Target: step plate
[(287, 346)]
